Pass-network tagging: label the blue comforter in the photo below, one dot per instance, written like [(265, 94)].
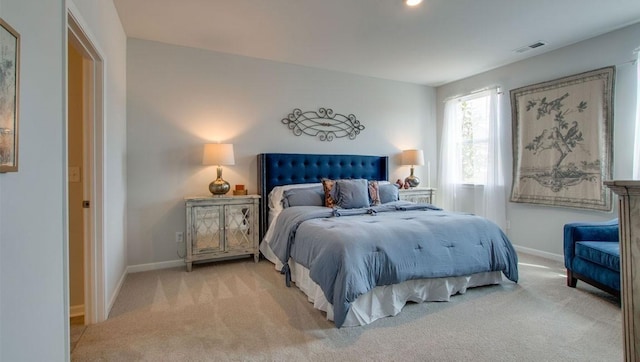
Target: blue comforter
[(349, 252)]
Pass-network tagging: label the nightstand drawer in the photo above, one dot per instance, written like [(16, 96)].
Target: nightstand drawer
[(421, 195)]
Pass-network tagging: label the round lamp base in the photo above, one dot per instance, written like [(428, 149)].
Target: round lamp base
[(219, 187), (412, 180)]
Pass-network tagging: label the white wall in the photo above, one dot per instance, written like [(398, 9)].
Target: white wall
[(33, 302), (538, 227), (179, 98), (103, 26), (33, 241)]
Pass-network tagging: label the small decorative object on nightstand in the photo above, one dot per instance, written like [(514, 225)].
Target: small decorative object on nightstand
[(239, 190), (412, 158), (422, 195), (221, 227)]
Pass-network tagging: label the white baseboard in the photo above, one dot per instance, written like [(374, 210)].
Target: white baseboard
[(155, 266), (542, 254), (140, 268), (76, 310), (114, 296)]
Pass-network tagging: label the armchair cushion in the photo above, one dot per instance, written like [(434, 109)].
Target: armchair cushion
[(606, 254)]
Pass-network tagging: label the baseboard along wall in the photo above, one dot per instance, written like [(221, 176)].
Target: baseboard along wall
[(542, 254), (76, 310), (155, 266)]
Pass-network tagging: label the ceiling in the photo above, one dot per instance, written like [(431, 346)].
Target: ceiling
[(437, 42)]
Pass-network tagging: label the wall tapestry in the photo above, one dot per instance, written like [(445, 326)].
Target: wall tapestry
[(562, 134), (324, 124), (9, 72)]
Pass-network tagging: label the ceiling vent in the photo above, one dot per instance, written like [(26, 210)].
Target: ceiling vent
[(535, 45)]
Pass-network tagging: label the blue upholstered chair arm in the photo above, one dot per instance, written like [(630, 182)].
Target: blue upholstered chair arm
[(587, 231)]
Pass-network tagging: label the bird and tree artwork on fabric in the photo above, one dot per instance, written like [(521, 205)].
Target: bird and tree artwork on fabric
[(563, 138)]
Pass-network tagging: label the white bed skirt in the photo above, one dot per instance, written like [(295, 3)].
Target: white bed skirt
[(387, 300)]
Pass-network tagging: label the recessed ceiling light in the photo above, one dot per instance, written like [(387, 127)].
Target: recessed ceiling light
[(412, 2)]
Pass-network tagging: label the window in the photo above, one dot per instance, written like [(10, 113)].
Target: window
[(472, 154), (469, 127), (473, 139)]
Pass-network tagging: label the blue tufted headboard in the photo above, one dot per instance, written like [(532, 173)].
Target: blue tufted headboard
[(276, 169)]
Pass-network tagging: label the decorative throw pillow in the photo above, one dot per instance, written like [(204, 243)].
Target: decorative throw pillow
[(310, 196), (388, 193), (352, 193), (374, 193), (329, 187)]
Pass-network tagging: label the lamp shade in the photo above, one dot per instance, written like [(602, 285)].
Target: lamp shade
[(218, 154), (413, 157)]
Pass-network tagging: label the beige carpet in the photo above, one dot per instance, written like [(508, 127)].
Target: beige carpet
[(77, 328), (239, 310)]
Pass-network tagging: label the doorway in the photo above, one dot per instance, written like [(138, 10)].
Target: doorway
[(75, 162), (85, 160)]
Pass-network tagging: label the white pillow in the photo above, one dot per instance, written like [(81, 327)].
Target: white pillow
[(275, 208), (275, 199), (277, 195)]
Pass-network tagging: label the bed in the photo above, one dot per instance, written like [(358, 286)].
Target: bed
[(359, 260)]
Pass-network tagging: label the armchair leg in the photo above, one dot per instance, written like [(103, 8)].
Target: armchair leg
[(571, 281)]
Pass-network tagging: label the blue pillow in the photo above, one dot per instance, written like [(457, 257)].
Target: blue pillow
[(388, 193), (352, 194), (308, 196)]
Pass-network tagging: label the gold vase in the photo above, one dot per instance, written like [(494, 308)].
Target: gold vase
[(219, 186), (412, 180)]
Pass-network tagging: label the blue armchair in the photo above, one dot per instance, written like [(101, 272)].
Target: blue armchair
[(592, 255)]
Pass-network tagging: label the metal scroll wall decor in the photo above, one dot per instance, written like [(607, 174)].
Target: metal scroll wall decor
[(324, 124)]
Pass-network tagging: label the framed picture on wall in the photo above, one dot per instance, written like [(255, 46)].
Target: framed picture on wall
[(9, 95), (562, 136)]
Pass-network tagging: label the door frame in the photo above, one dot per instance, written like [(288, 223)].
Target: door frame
[(95, 306)]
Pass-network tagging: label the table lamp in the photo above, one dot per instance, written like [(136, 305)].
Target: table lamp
[(412, 158), (218, 154)]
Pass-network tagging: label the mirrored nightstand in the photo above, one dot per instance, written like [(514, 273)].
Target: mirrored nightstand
[(418, 194), (221, 227)]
